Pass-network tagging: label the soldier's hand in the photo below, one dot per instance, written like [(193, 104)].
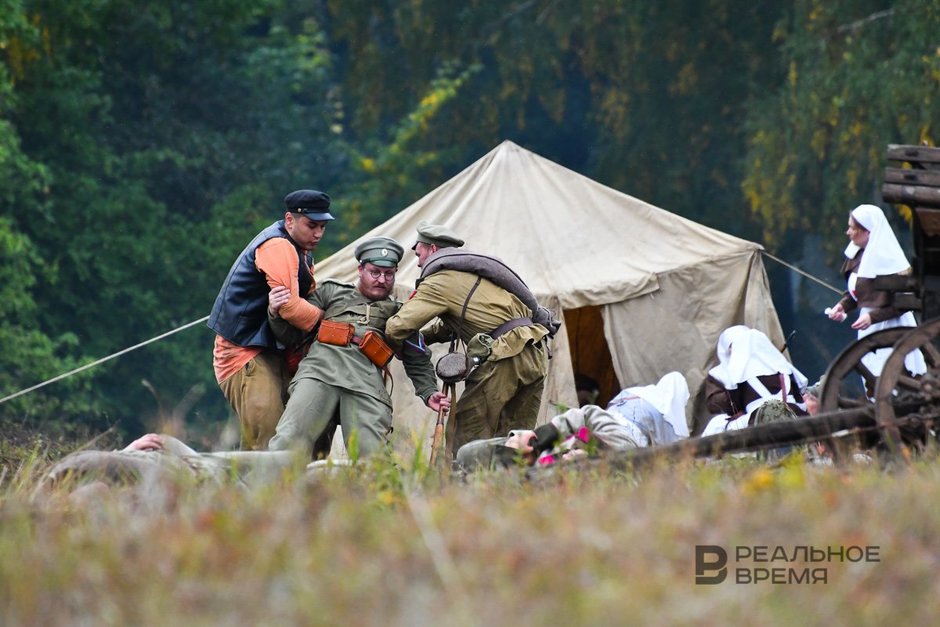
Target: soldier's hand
[(438, 400), (277, 298)]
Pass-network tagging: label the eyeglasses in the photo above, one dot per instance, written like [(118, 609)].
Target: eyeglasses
[(389, 275)]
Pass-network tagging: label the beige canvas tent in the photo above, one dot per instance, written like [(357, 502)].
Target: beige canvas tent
[(643, 291)]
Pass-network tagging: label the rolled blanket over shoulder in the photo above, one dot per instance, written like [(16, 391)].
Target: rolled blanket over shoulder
[(496, 271)]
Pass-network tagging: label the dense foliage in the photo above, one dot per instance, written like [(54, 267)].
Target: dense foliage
[(142, 144), (860, 75)]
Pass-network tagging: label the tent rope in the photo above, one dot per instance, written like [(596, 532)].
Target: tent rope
[(804, 273), (102, 360), (204, 318)]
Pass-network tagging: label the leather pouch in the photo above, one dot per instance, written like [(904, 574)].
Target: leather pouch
[(374, 347), (335, 333)]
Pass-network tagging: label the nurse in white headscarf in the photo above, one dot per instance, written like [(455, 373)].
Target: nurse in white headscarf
[(658, 409), (750, 372), (874, 250)]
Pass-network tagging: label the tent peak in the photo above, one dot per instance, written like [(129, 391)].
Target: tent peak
[(507, 145)]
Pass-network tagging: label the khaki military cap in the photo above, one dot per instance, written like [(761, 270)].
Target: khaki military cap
[(380, 251), (435, 234)]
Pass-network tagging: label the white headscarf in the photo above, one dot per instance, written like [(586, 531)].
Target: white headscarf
[(669, 397), (753, 355), (883, 254)]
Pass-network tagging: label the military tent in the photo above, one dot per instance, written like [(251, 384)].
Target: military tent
[(642, 291)]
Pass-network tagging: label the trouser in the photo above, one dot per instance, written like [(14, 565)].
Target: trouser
[(499, 396), (257, 394), (310, 411)]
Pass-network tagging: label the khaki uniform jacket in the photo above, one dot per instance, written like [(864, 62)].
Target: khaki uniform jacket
[(346, 366), (442, 295)]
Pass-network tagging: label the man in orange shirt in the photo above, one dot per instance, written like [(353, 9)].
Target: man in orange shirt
[(250, 364)]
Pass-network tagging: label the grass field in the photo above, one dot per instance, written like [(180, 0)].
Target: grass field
[(396, 544)]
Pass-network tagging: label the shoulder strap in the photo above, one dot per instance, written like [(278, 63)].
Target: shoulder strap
[(463, 314)]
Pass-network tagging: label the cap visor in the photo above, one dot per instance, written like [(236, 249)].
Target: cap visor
[(317, 217)]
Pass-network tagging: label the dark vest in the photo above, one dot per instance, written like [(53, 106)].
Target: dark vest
[(240, 311)]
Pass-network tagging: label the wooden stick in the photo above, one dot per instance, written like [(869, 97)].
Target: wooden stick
[(438, 433)]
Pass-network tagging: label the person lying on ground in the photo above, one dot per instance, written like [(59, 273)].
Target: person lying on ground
[(578, 432), (159, 460), (822, 452), (658, 410)]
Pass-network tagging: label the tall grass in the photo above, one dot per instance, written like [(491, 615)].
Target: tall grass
[(393, 542)]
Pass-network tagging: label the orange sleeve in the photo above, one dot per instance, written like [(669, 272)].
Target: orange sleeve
[(278, 259), (228, 358)]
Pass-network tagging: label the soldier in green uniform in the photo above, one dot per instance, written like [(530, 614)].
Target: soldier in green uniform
[(344, 373), (502, 393)]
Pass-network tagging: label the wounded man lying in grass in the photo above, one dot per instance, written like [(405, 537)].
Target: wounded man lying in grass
[(638, 417), (581, 432), (156, 459)]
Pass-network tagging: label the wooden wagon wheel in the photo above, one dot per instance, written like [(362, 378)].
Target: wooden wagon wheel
[(843, 389), (899, 395), (842, 375)]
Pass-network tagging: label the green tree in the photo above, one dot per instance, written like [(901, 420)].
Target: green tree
[(29, 353), (388, 173), (645, 97), (859, 76), (166, 136)]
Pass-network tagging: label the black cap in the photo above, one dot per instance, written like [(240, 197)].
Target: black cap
[(309, 202)]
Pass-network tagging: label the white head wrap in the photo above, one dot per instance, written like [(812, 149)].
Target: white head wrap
[(883, 254), (744, 352), (669, 397)]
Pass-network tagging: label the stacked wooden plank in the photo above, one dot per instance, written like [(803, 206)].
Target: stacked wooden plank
[(916, 183)]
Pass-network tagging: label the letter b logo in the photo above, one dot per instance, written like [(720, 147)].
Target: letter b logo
[(704, 565)]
